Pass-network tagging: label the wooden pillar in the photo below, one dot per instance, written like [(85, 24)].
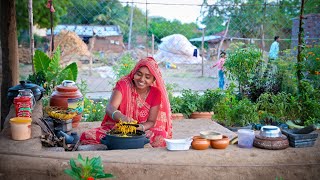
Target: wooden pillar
[(9, 53)]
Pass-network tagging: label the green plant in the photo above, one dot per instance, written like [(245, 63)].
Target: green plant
[(123, 66), (94, 110), (87, 169), (311, 64), (208, 101), (176, 104), (310, 102), (277, 106), (175, 101), (241, 63), (52, 71), (189, 102), (231, 111)]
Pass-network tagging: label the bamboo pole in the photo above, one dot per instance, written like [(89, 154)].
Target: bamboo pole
[(224, 36), (202, 50), (300, 48), (30, 10)]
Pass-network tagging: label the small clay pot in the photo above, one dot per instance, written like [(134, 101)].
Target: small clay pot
[(220, 143), (177, 116), (200, 143)]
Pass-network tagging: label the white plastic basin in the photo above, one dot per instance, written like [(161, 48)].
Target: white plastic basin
[(178, 144)]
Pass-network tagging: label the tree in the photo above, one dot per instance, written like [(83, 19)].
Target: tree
[(41, 15), (161, 27), (255, 18)]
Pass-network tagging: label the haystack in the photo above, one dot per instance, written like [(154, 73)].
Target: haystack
[(71, 45)]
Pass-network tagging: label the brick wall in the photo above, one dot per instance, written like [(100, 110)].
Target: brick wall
[(311, 29), (111, 43)]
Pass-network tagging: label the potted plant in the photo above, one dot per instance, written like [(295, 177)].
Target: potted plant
[(189, 102), (176, 103), (206, 104)]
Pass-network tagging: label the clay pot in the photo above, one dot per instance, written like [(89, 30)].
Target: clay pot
[(199, 143), (177, 116), (68, 96), (272, 143), (201, 115), (220, 143)]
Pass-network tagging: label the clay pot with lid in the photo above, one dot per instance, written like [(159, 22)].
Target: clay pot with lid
[(200, 143), (68, 96)]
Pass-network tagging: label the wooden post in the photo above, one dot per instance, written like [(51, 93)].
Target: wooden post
[(152, 50), (300, 48), (31, 32), (224, 36), (202, 51), (9, 53)]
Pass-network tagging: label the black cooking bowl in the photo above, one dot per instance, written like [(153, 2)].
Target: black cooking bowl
[(134, 141)]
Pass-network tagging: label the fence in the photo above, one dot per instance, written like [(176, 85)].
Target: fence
[(109, 29)]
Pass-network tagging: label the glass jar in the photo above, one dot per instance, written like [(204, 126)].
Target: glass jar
[(28, 93)]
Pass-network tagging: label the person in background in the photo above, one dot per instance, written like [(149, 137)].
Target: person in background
[(141, 95), (220, 64), (274, 49)]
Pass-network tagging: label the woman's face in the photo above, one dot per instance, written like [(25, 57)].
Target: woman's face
[(143, 78)]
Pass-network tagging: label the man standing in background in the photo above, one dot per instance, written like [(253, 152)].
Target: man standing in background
[(274, 49)]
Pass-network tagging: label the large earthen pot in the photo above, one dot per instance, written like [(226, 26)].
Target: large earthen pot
[(68, 96)]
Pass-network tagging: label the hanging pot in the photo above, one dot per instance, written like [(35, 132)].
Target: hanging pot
[(36, 90)]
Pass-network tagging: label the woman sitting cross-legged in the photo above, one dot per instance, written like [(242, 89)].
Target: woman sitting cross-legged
[(141, 96)]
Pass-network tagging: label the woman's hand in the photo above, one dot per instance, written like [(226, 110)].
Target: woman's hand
[(126, 119)]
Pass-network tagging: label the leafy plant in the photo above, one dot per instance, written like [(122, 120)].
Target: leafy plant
[(176, 104), (234, 112), (123, 66), (94, 111), (241, 63), (279, 107), (175, 101), (311, 64), (189, 102), (209, 100), (87, 169), (310, 102), (51, 69)]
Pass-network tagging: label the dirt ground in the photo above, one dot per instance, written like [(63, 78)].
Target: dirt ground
[(28, 160)]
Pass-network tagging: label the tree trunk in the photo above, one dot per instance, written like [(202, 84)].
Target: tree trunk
[(9, 53)]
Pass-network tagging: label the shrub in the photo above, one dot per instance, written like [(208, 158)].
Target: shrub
[(94, 110)]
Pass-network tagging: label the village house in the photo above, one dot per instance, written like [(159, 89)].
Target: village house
[(214, 41), (107, 38)]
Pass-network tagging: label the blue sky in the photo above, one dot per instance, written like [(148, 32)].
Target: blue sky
[(172, 9)]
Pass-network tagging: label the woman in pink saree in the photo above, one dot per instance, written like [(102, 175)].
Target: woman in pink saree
[(141, 95)]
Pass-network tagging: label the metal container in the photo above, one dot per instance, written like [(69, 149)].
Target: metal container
[(270, 131), (62, 125)]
